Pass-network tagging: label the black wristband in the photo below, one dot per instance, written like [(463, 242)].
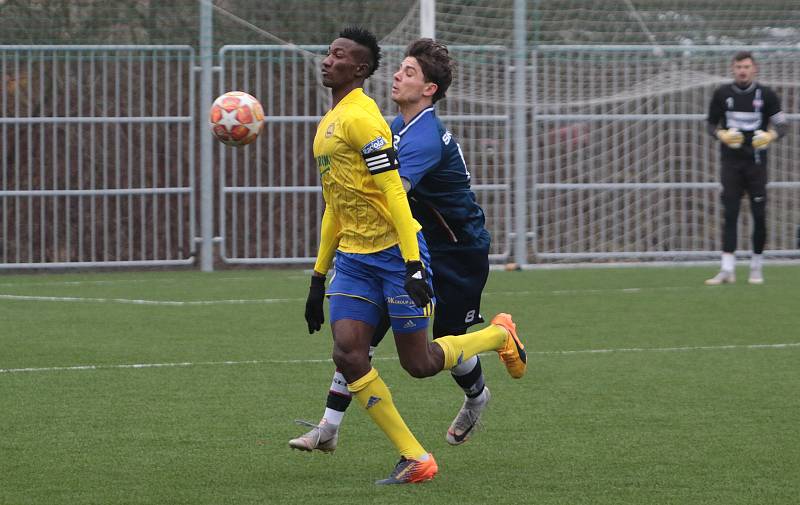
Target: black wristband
[(414, 266)]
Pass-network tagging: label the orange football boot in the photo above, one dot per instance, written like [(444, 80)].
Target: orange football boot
[(512, 352), (412, 471)]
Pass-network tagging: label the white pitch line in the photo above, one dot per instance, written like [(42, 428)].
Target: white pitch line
[(129, 301), (183, 303), (672, 349), (178, 365), (591, 291), (387, 358), (159, 280), (70, 283), (180, 303)]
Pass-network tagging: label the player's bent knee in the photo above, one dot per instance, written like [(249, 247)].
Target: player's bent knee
[(353, 365), (420, 367), (417, 371)]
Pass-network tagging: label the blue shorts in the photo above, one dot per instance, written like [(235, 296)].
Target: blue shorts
[(363, 286)]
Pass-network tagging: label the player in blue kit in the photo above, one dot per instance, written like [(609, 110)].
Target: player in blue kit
[(435, 175)]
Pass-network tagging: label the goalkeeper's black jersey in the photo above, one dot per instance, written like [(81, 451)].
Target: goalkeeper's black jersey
[(747, 110)]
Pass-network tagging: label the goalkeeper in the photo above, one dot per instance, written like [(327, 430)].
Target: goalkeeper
[(745, 116), (435, 175)]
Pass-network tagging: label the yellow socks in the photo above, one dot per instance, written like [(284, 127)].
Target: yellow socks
[(459, 348), (372, 393)]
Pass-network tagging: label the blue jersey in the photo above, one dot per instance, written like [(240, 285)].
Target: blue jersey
[(440, 196)]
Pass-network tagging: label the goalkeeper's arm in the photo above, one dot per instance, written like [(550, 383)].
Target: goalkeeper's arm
[(762, 139)]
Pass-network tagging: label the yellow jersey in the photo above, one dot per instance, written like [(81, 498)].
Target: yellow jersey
[(346, 135)]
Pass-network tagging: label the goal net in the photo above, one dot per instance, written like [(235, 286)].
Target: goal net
[(619, 165)]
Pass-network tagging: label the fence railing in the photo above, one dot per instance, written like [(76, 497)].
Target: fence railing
[(98, 151), (97, 156), (271, 202)]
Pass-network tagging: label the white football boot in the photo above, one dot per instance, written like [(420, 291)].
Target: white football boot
[(723, 277), (322, 437), (756, 276), (467, 418)]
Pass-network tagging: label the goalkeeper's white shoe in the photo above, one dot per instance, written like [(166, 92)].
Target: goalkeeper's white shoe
[(322, 437), (468, 418), (723, 277), (756, 276)]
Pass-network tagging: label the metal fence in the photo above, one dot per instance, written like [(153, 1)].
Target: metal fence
[(97, 156), (271, 202), (98, 153)]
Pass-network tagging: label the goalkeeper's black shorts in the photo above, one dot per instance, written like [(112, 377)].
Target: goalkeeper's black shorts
[(741, 176)]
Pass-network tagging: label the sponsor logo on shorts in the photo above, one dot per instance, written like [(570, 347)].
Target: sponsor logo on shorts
[(374, 145), (399, 300), (409, 324)]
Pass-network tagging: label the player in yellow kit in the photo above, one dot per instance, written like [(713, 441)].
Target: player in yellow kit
[(380, 257)]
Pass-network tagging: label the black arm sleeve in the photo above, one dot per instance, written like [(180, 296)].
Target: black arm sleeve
[(772, 109), (715, 112)]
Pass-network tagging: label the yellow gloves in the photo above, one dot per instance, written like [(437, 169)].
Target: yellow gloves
[(732, 138), (761, 138)]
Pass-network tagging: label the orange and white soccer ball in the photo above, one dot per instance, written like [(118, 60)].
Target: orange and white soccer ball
[(236, 118)]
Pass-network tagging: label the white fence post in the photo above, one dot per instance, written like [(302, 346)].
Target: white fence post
[(427, 18), (206, 154)]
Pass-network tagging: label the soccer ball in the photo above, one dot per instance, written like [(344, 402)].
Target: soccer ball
[(236, 118)]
